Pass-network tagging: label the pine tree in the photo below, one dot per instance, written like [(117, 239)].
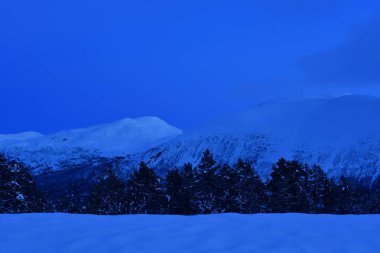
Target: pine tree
[(145, 194), (73, 200), (361, 196), (288, 187), (108, 195), (344, 201), (175, 192), (206, 185), (207, 161), (188, 178), (251, 189), (18, 193), (321, 195), (188, 173), (227, 189)]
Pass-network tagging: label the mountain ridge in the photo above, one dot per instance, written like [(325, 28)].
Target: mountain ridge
[(341, 134), (79, 145)]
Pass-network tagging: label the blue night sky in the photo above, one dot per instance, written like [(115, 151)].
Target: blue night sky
[(74, 63)]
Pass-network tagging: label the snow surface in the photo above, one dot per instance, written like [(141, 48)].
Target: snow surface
[(285, 233)]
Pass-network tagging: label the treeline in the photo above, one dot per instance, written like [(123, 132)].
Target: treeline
[(202, 189)]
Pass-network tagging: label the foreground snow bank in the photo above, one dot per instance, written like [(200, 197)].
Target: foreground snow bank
[(214, 233)]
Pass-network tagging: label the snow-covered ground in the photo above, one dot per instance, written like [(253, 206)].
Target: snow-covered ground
[(215, 233)]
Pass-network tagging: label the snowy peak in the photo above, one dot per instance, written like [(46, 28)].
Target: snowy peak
[(86, 145), (123, 136)]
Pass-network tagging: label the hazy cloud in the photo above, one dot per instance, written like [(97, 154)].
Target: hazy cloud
[(355, 62)]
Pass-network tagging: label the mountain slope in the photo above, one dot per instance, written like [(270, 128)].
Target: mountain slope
[(342, 134), (88, 144)]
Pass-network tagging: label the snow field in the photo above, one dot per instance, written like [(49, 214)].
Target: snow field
[(214, 233)]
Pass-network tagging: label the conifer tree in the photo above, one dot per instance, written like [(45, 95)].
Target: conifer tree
[(344, 200), (145, 194), (73, 200), (360, 196), (188, 173), (108, 195), (227, 190), (206, 185), (321, 195), (288, 187), (207, 162), (189, 184), (175, 192), (251, 189)]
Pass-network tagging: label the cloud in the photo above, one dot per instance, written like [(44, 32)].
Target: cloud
[(356, 62)]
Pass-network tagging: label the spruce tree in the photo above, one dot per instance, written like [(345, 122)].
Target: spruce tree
[(361, 196), (73, 200), (344, 201), (320, 191), (188, 173), (251, 189), (206, 185), (108, 195), (176, 192), (207, 162), (288, 187), (226, 191), (145, 194), (189, 186)]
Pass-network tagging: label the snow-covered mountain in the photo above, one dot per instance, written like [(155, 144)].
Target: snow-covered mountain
[(88, 144), (342, 134)]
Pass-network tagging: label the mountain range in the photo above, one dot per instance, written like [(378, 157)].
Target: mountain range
[(341, 134), (77, 146)]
